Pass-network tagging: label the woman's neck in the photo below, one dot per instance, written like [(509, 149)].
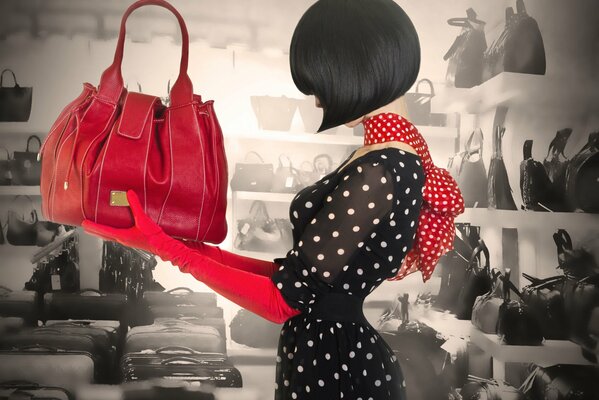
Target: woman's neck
[(397, 106)]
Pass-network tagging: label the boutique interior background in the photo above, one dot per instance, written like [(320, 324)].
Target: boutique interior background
[(239, 49)]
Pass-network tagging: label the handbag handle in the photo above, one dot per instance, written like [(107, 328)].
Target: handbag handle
[(558, 144), (535, 282), (34, 137), (111, 82), (459, 21), (430, 85), (179, 359), (180, 289), (520, 7), (508, 285), (13, 77), (175, 348), (562, 240), (7, 152), (482, 247), (527, 149), (478, 135), (256, 207), (281, 156), (89, 291), (255, 153)]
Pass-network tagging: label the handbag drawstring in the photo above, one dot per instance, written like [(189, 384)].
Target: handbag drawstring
[(72, 156)]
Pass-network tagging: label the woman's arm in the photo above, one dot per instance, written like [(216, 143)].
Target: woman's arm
[(248, 264)]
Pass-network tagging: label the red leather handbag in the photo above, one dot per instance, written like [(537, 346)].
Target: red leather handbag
[(109, 140)]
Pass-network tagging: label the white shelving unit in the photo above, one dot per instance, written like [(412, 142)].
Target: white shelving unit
[(20, 190), (552, 352)]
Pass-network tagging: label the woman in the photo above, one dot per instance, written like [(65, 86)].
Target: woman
[(385, 212)]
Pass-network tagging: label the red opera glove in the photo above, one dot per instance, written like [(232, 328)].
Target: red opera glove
[(256, 293)]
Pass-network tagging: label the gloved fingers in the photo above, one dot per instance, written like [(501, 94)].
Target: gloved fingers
[(139, 215)]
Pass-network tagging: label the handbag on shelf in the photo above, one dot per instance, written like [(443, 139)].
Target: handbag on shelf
[(323, 165), (19, 304), (477, 282), (306, 174), (576, 263), (582, 177), (259, 232), (454, 265), (581, 297), (556, 164), (489, 389), (15, 102), (253, 177), (545, 300), (519, 48), (535, 186), (499, 190), (274, 113), (419, 104), (172, 157), (312, 116), (485, 312), (517, 325), (286, 177), (26, 169), (469, 171), (5, 169), (561, 382), (45, 232), (465, 55), (22, 231)]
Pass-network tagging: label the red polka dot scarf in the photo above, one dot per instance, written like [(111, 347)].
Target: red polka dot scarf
[(442, 200)]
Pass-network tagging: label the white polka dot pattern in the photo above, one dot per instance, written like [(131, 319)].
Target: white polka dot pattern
[(443, 200)]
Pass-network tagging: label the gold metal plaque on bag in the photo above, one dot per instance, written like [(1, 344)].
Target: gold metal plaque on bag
[(118, 198)]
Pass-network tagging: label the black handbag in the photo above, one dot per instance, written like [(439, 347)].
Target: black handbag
[(286, 177), (471, 175), (454, 265), (465, 55), (561, 382), (489, 389), (323, 165), (535, 186), (582, 177), (477, 282), (306, 174), (485, 312), (252, 330), (556, 164), (253, 177), (419, 104), (15, 102), (581, 297), (57, 272), (274, 113), (576, 263), (20, 231), (519, 48), (259, 232), (545, 300), (517, 325), (499, 190), (5, 165), (26, 169)]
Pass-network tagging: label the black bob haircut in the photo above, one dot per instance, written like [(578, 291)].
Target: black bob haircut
[(355, 56)]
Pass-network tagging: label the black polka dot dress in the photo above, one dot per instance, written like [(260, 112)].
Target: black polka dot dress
[(351, 230)]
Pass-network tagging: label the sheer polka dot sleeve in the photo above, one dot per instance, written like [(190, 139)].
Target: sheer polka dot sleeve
[(346, 217)]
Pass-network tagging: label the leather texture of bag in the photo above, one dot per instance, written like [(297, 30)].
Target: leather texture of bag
[(179, 295), (200, 338), (112, 140), (561, 382), (485, 312), (259, 232), (517, 325), (86, 304), (519, 48), (465, 55), (174, 362), (499, 191), (48, 367), (216, 322), (582, 178), (556, 164), (5, 168), (253, 177), (469, 171), (32, 391), (26, 168), (274, 113), (21, 304), (455, 264), (252, 330), (476, 283), (286, 178), (535, 186), (15, 102), (419, 104), (186, 310), (22, 230), (581, 297), (545, 300), (489, 389), (575, 263)]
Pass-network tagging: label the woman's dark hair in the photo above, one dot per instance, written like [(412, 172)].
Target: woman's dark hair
[(355, 56)]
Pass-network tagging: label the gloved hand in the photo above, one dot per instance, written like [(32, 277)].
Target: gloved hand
[(256, 293)]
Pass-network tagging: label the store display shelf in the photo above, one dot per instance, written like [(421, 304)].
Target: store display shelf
[(262, 255), (552, 352), (264, 196), (521, 90), (528, 219), (429, 132), (22, 190), (242, 354)]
